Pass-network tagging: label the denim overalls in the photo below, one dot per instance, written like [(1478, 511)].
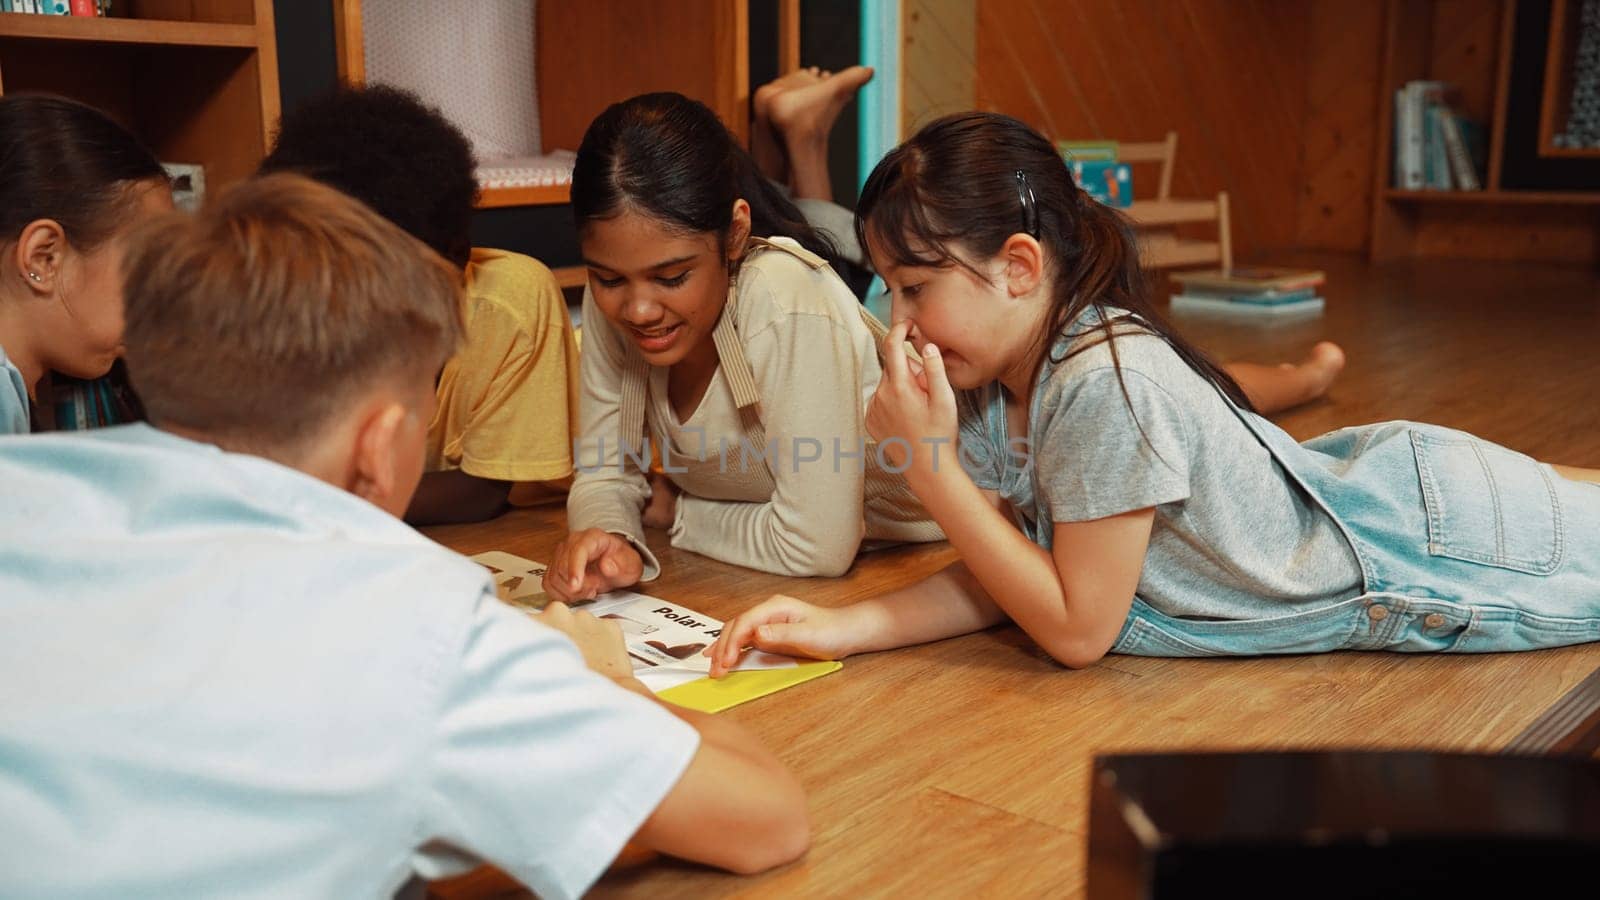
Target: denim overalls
[(1464, 546)]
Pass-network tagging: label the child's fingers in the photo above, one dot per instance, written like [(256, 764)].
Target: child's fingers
[(895, 368), (741, 632), (735, 637), (940, 394), (933, 367), (585, 547), (790, 638)]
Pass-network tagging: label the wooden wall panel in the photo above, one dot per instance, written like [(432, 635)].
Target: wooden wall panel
[(1228, 75), (939, 66), (1279, 103), (1465, 43), (697, 49), (1340, 132)]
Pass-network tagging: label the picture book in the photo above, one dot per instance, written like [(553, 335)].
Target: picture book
[(1110, 183), (664, 641)]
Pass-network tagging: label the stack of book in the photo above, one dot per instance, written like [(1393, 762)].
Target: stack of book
[(1435, 147), (1249, 291)]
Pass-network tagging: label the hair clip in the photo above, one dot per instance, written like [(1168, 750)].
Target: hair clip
[(1030, 205)]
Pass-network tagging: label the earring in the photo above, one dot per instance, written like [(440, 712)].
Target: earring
[(35, 276)]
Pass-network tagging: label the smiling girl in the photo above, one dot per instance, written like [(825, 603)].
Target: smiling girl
[(1116, 493), (714, 322)]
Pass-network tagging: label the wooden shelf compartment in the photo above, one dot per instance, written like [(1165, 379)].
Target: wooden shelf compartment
[(126, 31), (543, 195), (188, 104)]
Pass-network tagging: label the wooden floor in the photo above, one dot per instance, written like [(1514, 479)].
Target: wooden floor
[(961, 767)]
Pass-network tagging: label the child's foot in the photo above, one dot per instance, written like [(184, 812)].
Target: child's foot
[(803, 105), (1320, 367), (767, 92)]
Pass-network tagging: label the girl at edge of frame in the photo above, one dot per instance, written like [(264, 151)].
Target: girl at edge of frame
[(1114, 491)]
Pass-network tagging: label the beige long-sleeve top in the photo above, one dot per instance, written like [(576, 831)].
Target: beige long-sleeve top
[(775, 468)]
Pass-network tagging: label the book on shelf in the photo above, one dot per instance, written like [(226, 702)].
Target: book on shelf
[(1249, 279), (1435, 147), (664, 641)]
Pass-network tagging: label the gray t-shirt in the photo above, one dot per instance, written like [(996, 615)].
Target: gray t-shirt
[(1233, 538)]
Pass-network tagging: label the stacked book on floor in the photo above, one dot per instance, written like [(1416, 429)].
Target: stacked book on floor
[(1249, 291)]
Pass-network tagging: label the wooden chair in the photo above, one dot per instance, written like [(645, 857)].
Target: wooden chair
[(1157, 219)]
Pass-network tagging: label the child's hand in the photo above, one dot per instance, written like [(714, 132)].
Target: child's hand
[(599, 641), (785, 625), (663, 505), (589, 563), (916, 405)]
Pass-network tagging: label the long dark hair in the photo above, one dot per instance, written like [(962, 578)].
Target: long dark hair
[(673, 158), (956, 182), (62, 160)]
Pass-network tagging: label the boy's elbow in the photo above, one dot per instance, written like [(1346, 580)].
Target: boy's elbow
[(784, 837)]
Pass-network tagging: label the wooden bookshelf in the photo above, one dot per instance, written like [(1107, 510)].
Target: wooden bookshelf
[(1468, 43), (592, 54), (545, 195), (197, 82), (571, 276), (127, 31)]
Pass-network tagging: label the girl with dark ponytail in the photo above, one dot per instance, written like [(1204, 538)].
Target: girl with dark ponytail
[(1113, 491), (715, 330)]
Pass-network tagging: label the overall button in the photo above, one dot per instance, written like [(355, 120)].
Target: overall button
[(1434, 620), (1378, 613)]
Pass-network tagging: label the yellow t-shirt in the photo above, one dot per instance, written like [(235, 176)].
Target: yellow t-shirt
[(508, 399)]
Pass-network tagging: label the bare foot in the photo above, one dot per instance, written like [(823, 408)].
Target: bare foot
[(801, 114), (1322, 366), (804, 104), (766, 144), (663, 506), (766, 93)]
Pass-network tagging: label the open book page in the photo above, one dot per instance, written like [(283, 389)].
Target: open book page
[(664, 640)]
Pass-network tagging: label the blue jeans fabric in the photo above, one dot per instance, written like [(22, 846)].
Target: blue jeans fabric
[(1464, 547)]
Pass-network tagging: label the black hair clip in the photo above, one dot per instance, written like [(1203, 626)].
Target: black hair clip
[(1030, 205)]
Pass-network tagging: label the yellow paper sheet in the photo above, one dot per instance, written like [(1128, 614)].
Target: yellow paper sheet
[(713, 695)]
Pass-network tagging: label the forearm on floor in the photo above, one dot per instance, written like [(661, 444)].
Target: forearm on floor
[(1017, 574), (946, 604), (452, 496)]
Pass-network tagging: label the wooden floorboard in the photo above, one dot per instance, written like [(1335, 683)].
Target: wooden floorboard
[(962, 767)]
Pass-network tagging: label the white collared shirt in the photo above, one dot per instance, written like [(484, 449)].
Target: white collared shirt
[(222, 677)]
